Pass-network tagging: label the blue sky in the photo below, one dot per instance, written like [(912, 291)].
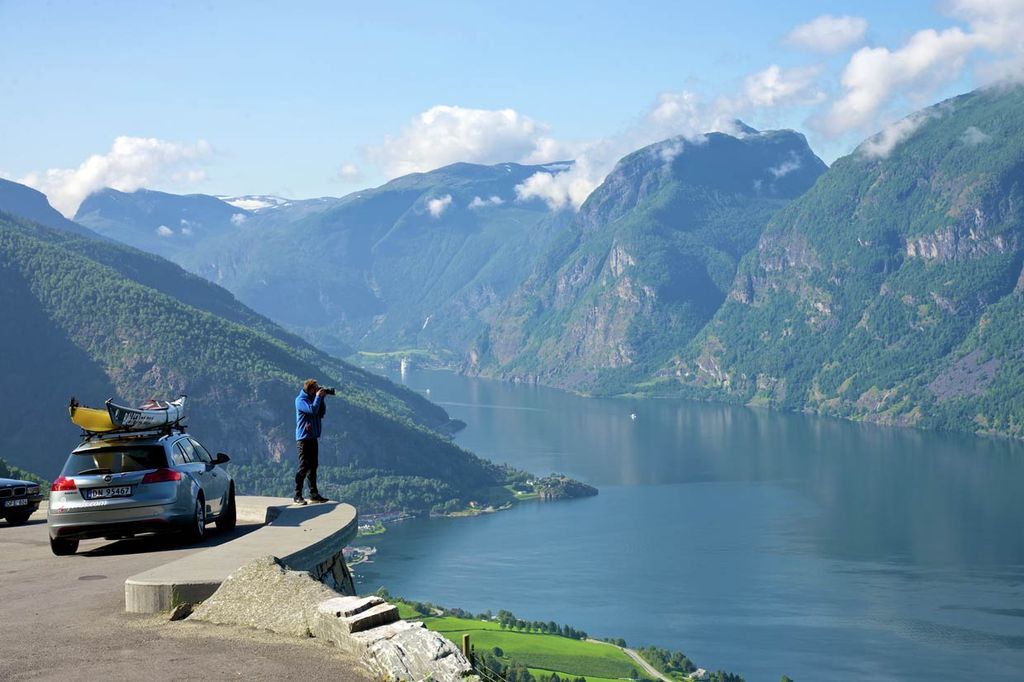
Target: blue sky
[(272, 98)]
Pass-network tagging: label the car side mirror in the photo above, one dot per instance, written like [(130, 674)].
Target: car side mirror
[(222, 458)]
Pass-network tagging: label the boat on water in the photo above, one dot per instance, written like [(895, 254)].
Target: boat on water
[(152, 414)]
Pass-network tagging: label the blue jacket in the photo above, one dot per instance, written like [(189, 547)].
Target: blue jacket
[(308, 413)]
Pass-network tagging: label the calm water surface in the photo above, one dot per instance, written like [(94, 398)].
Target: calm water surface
[(758, 542)]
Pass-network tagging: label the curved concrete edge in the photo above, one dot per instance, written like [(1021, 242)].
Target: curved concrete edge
[(144, 597), (307, 538), (259, 509)]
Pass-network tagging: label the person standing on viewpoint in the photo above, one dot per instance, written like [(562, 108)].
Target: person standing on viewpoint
[(310, 408)]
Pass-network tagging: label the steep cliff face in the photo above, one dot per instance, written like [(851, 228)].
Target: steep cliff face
[(887, 291), (646, 262)]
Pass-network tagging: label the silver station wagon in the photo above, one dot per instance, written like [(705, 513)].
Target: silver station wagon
[(120, 485)]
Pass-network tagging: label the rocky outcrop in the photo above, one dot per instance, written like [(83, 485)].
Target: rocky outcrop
[(335, 574), (394, 649), (265, 595), (969, 375), (961, 242)]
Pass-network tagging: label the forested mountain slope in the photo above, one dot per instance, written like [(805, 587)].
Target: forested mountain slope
[(892, 291), (77, 321), (646, 262)]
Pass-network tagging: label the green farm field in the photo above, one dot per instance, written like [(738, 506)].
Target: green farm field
[(541, 653)]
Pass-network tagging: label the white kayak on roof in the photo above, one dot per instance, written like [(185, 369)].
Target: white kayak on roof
[(152, 414)]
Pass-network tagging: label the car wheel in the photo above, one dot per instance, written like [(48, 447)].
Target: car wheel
[(197, 531), (17, 518), (63, 546), (229, 517)]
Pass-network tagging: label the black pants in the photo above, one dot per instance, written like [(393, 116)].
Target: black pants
[(309, 460)]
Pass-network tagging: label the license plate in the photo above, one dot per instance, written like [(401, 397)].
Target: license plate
[(16, 503), (103, 493)]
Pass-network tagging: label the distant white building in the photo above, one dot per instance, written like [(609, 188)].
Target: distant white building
[(700, 674)]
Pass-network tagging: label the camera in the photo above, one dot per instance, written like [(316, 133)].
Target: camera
[(328, 391)]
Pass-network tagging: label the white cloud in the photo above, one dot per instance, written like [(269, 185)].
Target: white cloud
[(875, 73), (776, 86), (669, 151), (349, 172), (164, 231), (561, 190), (674, 114), (443, 135), (998, 26), (237, 219), (882, 144), (974, 136), (440, 205), (479, 202), (790, 164), (828, 34), (876, 77), (131, 163)]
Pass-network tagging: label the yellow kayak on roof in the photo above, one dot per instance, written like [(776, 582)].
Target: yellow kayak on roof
[(89, 418)]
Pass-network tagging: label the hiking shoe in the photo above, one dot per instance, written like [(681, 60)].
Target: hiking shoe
[(317, 498), (298, 499)]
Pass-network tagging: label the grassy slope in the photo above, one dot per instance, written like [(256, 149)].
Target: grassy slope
[(542, 653)]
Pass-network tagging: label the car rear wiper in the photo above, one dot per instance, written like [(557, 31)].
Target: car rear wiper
[(88, 472)]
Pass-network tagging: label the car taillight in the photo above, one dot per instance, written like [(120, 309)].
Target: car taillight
[(161, 476), (63, 484)]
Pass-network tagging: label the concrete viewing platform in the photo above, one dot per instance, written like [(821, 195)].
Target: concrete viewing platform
[(308, 538)]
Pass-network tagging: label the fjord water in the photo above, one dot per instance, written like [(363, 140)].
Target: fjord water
[(759, 542)]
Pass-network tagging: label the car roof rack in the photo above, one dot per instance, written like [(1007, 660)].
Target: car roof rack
[(156, 432)]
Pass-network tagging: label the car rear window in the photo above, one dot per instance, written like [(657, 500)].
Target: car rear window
[(115, 460)]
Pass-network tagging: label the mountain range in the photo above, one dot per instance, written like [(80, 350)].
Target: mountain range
[(893, 290), (422, 262), (727, 267), (647, 260)]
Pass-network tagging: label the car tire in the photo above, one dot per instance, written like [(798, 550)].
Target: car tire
[(229, 516), (196, 532), (17, 518), (63, 546)]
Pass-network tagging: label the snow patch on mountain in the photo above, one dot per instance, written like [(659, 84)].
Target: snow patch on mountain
[(256, 202)]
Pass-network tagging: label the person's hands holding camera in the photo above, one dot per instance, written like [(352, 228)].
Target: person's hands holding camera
[(321, 392)]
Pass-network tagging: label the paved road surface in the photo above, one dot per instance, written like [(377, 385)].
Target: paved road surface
[(62, 618), (648, 668)]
